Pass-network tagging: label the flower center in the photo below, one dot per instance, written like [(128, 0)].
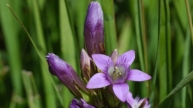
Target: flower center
[(116, 74)]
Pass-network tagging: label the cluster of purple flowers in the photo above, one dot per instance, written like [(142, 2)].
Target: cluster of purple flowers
[(109, 73)]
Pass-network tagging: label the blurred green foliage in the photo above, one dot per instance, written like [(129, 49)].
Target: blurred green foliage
[(158, 30)]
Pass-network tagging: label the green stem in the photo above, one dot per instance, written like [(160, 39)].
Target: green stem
[(185, 67), (168, 44), (143, 33), (189, 19), (139, 34), (138, 28)]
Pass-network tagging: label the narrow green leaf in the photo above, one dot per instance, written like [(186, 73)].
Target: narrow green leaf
[(189, 18), (79, 14), (37, 98), (67, 45), (137, 18), (125, 37), (186, 67), (168, 44), (10, 31), (109, 25), (138, 33), (48, 88), (164, 49), (28, 89), (180, 9), (143, 32), (180, 85)]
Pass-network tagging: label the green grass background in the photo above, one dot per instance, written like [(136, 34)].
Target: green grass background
[(160, 32)]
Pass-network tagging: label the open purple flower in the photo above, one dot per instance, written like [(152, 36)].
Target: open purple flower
[(116, 71), (82, 104), (137, 102)]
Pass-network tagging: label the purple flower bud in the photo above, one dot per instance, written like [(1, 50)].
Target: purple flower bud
[(93, 29), (82, 104), (65, 73), (86, 65)]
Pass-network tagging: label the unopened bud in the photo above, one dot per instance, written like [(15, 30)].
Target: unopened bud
[(82, 104), (65, 73), (93, 29), (86, 65)]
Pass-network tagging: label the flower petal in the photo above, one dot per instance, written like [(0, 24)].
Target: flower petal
[(121, 90), (127, 57), (101, 61), (114, 56), (97, 81), (137, 75), (130, 99)]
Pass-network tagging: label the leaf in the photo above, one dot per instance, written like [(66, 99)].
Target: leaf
[(181, 84)]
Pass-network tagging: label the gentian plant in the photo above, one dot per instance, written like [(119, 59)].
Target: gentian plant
[(104, 78)]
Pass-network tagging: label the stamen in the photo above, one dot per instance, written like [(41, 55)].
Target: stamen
[(116, 73)]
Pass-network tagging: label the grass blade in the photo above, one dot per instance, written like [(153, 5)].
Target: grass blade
[(28, 89), (186, 67), (189, 19), (49, 91), (109, 26), (164, 52), (180, 85), (67, 45), (10, 31)]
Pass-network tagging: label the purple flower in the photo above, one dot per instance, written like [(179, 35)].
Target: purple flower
[(137, 102), (65, 73), (116, 71), (93, 29), (82, 104)]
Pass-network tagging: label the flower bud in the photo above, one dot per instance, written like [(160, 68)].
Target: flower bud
[(65, 74), (86, 65), (82, 104), (93, 29)]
